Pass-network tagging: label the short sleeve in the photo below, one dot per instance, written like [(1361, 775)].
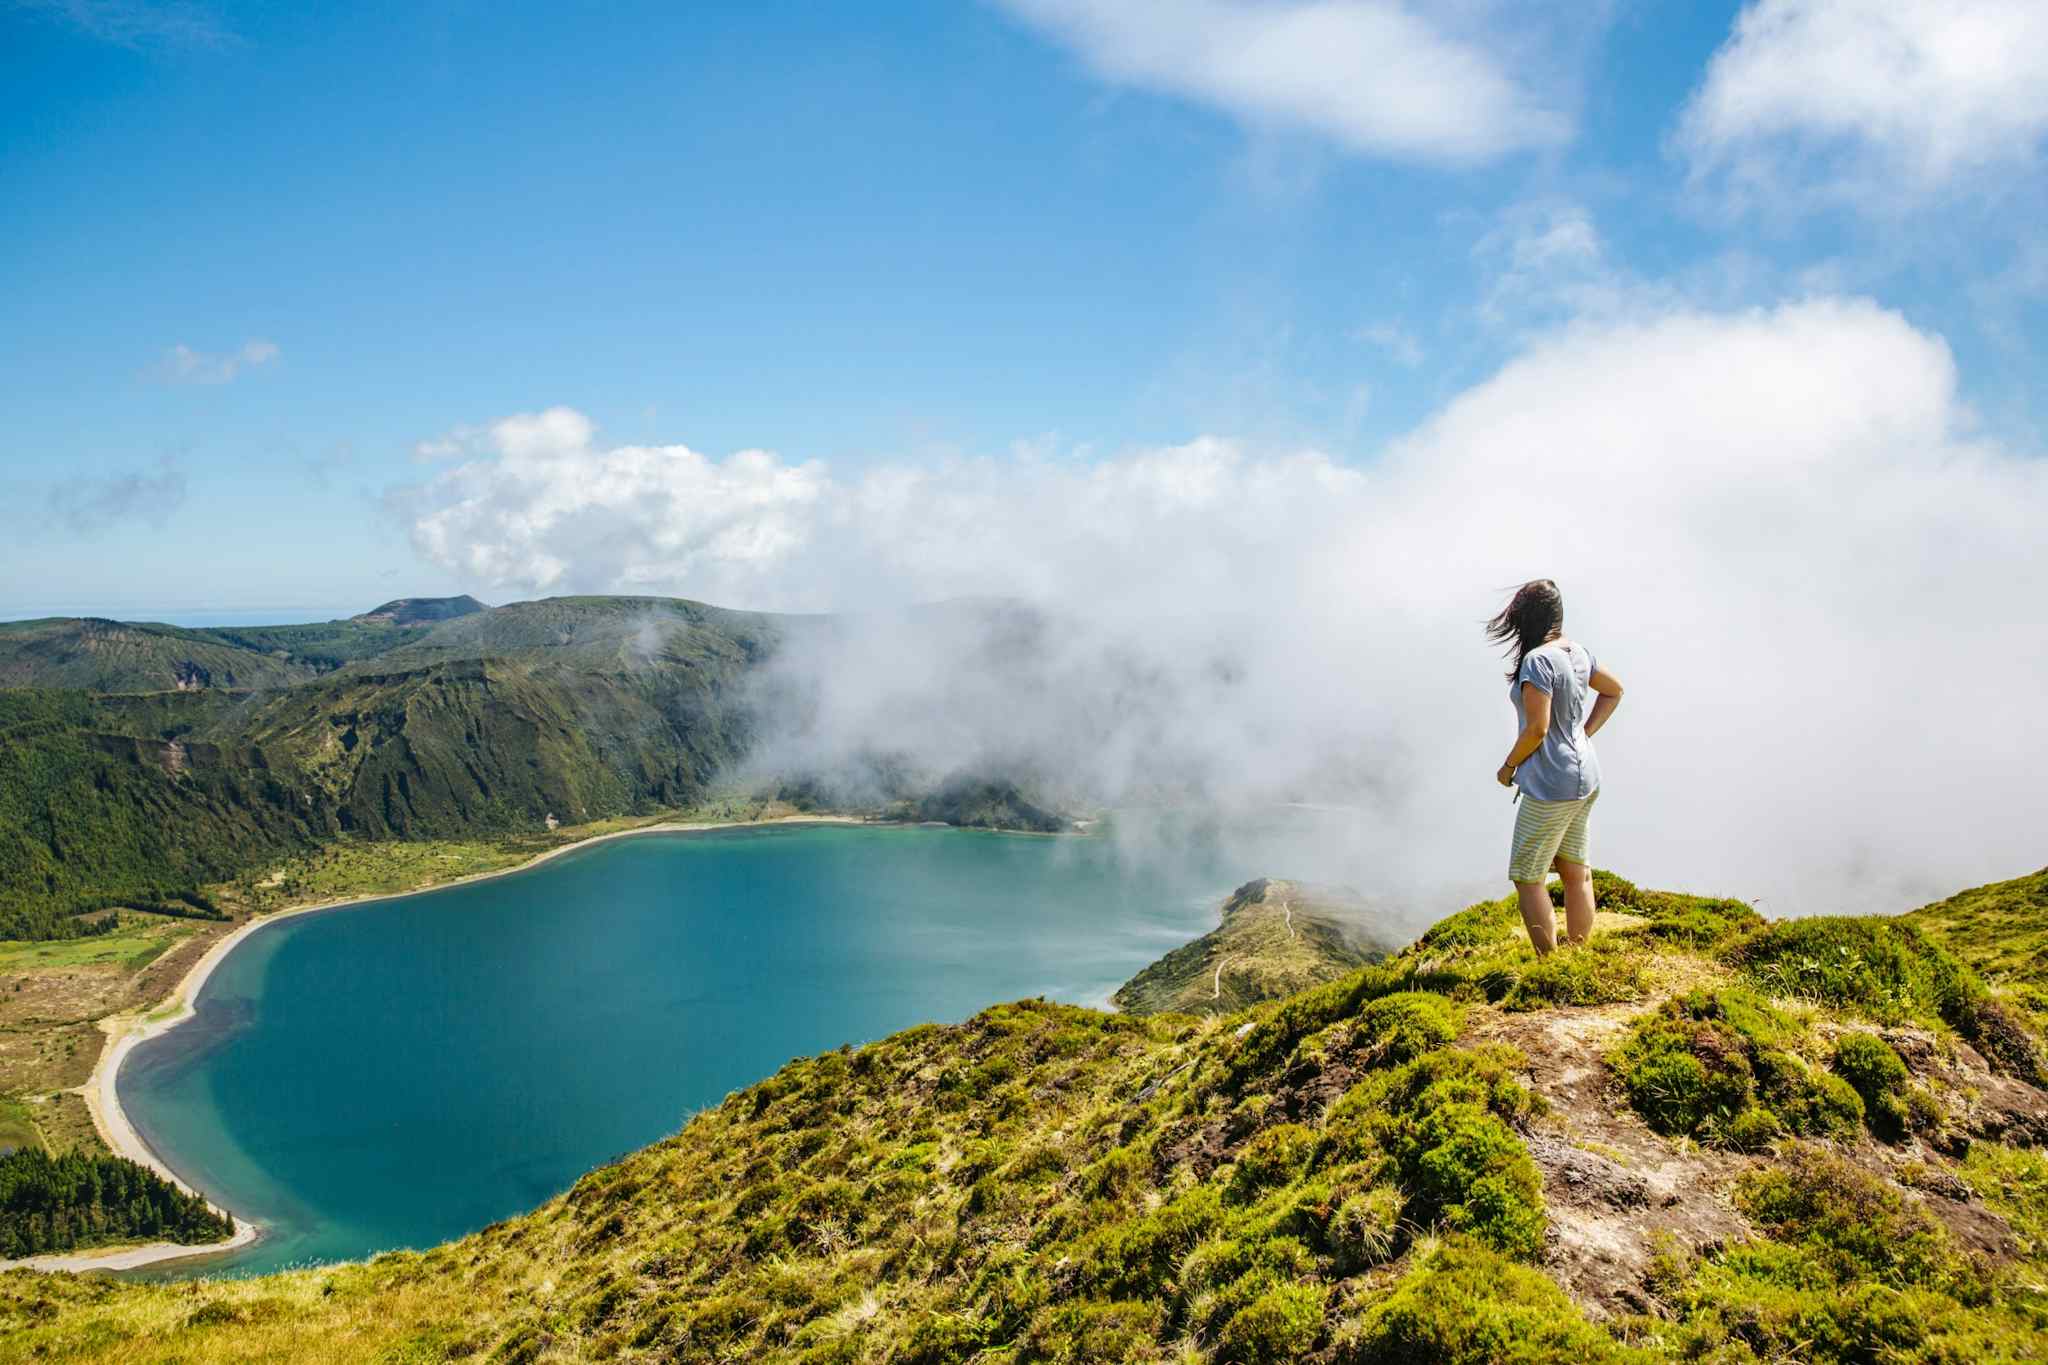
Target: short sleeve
[(1539, 670)]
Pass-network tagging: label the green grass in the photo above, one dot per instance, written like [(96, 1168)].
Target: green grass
[(1890, 971), (133, 946), (1846, 1269), (17, 1126), (2000, 930), (1483, 950)]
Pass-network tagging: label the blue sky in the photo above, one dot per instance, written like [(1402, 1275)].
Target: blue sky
[(253, 256)]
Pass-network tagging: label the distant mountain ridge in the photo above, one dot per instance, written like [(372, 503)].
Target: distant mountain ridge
[(414, 611), (424, 717)]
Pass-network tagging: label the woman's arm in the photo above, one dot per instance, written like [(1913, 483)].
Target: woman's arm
[(1535, 725), (1609, 688)]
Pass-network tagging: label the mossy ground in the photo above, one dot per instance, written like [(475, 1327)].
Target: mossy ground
[(1345, 1175)]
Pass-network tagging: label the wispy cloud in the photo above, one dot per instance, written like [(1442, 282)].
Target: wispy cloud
[(138, 23), (183, 365), (1395, 340), (1884, 103), (1371, 75), (94, 504)]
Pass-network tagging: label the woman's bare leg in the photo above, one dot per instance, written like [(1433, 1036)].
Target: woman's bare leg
[(1578, 900), (1537, 916)]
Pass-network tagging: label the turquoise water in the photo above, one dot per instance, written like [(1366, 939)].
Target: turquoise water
[(397, 1074)]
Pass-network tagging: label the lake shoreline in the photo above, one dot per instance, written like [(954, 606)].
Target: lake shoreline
[(126, 1031)]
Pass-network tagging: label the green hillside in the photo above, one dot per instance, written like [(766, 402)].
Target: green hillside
[(146, 760), (91, 816), (117, 656), (426, 718), (1277, 938), (2002, 931), (1703, 1137), (603, 632)]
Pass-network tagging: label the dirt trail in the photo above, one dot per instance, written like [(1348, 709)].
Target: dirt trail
[(1617, 1192), (1614, 1189)]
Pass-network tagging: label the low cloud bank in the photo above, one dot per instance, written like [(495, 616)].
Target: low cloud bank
[(1821, 587)]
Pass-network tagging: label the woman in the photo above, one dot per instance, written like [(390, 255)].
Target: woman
[(1553, 761)]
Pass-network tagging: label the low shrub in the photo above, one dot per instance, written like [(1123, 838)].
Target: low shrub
[(1718, 1066), (1878, 1074), (1402, 1026), (1282, 1323), (1464, 1304)]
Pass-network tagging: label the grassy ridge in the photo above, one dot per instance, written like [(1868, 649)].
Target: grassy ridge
[(1351, 1174), (2002, 931), (119, 656), (1277, 938)]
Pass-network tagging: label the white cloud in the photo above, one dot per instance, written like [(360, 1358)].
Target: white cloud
[(1777, 526), (1545, 262), (183, 365), (539, 506), (1882, 101), (1370, 74)]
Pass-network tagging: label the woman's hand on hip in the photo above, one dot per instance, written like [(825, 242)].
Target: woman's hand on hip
[(1506, 775)]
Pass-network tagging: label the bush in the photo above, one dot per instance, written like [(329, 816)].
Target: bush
[(1275, 1157), (1718, 1066), (1607, 970), (1365, 1230), (1281, 1324), (1848, 1222), (1877, 1073), (1402, 1026), (1666, 1071), (1473, 1172), (1465, 1305), (942, 1339)]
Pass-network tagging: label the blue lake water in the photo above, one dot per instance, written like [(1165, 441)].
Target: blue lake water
[(401, 1073)]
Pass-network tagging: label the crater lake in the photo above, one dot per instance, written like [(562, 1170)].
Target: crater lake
[(403, 1072)]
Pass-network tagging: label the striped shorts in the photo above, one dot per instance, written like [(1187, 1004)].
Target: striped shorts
[(1545, 830)]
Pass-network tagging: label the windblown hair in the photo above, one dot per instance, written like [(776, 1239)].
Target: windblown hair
[(1532, 616)]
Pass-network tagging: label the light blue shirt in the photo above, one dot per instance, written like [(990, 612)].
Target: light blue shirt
[(1565, 768)]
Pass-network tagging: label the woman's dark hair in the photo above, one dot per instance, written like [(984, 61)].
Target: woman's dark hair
[(1532, 616)]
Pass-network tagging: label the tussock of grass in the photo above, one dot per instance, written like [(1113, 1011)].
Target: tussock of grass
[(1461, 1304), (1726, 1067), (1890, 971), (1846, 1270)]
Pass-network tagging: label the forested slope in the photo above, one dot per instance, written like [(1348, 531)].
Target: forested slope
[(77, 1201), (425, 718)]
